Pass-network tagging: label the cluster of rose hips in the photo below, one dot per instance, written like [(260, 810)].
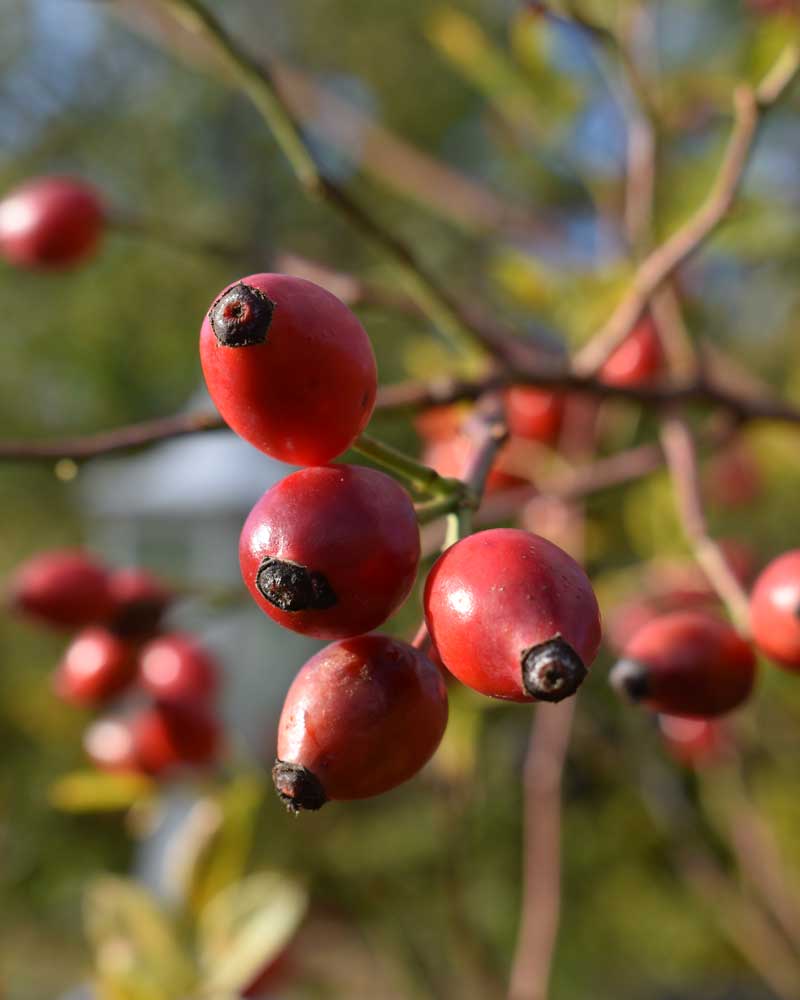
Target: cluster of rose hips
[(120, 649), (333, 550)]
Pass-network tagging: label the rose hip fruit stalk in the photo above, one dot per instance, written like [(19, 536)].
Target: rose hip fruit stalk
[(50, 222), (775, 610), (687, 663), (96, 667), (513, 616), (361, 717), (331, 551), (289, 367), (63, 589)]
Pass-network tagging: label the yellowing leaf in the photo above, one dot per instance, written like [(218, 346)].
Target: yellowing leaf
[(96, 791)]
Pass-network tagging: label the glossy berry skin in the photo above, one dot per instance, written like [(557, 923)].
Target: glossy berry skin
[(96, 667), (361, 717), (534, 414), (775, 610), (638, 360), (50, 222), (175, 668), (168, 737), (688, 663), (109, 744), (331, 551), (63, 589), (140, 601), (513, 616), (289, 367)]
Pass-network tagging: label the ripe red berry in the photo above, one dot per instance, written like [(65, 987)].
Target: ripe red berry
[(140, 601), (64, 589), (438, 422), (775, 610), (289, 367), (97, 666), (513, 616), (331, 551), (110, 745), (176, 668), (50, 222), (534, 414), (361, 717), (168, 737), (638, 360), (686, 663)]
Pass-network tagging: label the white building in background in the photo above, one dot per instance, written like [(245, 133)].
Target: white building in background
[(178, 508)]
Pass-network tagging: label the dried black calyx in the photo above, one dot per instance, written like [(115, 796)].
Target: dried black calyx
[(241, 317), (289, 586), (297, 787), (552, 670), (139, 618), (629, 678)]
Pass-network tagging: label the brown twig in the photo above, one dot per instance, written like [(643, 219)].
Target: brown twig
[(544, 765), (679, 448), (749, 108)]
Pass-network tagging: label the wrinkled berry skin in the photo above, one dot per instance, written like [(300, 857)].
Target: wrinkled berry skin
[(775, 610), (687, 663), (175, 668), (96, 667), (168, 737), (140, 601), (50, 222), (331, 551), (300, 382), (638, 360), (62, 589), (362, 716), (534, 414), (497, 597)]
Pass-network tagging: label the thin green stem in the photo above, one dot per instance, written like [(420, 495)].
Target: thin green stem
[(420, 476), (258, 83), (431, 510)]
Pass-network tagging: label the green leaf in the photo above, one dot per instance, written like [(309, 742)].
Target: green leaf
[(221, 857), (96, 791), (138, 955), (245, 928)]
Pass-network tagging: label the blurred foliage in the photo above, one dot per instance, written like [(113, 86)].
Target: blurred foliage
[(415, 894)]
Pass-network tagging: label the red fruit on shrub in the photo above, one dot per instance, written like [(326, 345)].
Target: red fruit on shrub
[(361, 717), (289, 367), (50, 222), (513, 616)]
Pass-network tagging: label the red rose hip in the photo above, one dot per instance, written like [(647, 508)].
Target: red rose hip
[(168, 737), (176, 668), (361, 717), (331, 551), (63, 589), (109, 744), (50, 222), (140, 601), (513, 616), (687, 663), (96, 667), (289, 367), (534, 414), (638, 360), (775, 610)]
